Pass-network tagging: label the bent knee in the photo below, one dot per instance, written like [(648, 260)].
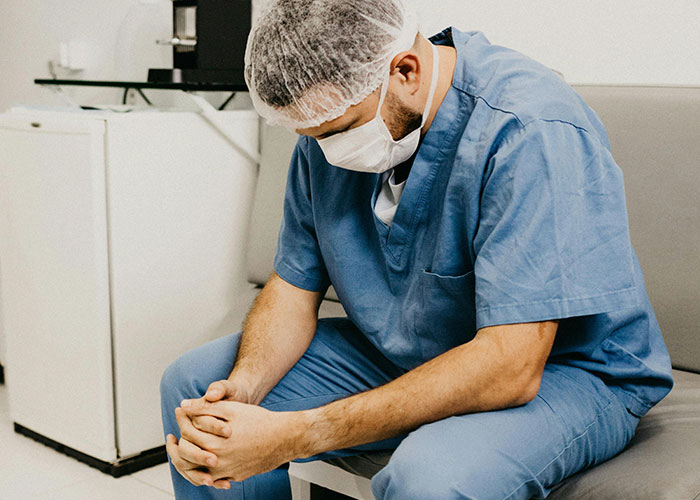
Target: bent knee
[(174, 376), (178, 381), (189, 375)]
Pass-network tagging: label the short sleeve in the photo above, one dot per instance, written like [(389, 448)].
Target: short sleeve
[(553, 238), (298, 258)]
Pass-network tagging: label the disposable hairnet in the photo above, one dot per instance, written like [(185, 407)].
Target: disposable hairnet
[(307, 61)]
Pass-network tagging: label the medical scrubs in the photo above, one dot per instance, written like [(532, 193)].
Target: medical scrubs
[(514, 211)]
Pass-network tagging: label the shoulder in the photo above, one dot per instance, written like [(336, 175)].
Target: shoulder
[(503, 81), (308, 157)]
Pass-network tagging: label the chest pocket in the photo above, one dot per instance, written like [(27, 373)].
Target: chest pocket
[(444, 314)]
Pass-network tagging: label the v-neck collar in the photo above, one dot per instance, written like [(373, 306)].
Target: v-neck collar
[(411, 210)]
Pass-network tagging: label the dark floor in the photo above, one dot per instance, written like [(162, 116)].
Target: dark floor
[(318, 493)]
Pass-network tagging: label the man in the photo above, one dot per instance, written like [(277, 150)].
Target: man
[(463, 202)]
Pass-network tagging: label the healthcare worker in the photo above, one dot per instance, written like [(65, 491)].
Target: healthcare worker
[(463, 202)]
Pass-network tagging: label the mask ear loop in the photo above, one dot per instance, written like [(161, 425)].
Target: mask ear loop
[(428, 102), (382, 94), (433, 85)]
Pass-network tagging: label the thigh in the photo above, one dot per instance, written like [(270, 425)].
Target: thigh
[(339, 362), (574, 422)]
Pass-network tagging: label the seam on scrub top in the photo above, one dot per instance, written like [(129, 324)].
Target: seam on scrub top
[(569, 445), (555, 120), (578, 127), (481, 98), (577, 299), (522, 124)]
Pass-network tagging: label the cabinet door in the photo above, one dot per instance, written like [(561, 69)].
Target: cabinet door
[(179, 203), (54, 285)]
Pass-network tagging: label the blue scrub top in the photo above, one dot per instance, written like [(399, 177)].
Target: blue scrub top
[(514, 211)]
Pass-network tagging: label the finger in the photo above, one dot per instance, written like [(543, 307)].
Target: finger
[(186, 469), (173, 450), (199, 477), (222, 484), (212, 425), (201, 441), (216, 391), (171, 447), (190, 432), (174, 454), (196, 455), (204, 407)]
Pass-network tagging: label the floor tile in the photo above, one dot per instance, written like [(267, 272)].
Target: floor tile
[(105, 488), (28, 468), (158, 476), (32, 471)]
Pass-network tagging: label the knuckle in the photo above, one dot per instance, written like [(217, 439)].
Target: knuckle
[(196, 423)]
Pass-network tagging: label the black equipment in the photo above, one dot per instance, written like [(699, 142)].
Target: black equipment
[(209, 39)]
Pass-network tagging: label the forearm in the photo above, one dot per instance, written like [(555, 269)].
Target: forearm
[(481, 375), (277, 331)]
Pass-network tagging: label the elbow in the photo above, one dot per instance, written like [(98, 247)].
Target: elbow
[(530, 392), (526, 389)]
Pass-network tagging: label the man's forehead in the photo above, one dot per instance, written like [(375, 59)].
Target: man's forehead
[(352, 116), (328, 127)]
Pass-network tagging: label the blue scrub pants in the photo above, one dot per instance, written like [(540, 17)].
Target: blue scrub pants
[(519, 453)]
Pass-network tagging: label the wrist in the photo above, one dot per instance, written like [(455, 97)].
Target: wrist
[(246, 383), (305, 430)]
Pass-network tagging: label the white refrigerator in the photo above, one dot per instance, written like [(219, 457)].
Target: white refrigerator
[(122, 240)]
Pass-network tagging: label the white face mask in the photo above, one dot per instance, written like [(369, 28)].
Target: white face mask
[(370, 147)]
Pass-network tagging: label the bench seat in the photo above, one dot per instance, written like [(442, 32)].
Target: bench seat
[(661, 462)]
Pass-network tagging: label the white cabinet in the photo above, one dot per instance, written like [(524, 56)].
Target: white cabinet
[(122, 240)]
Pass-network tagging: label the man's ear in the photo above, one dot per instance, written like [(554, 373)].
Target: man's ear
[(406, 66)]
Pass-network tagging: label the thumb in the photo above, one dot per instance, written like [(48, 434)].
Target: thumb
[(215, 392), (221, 389)]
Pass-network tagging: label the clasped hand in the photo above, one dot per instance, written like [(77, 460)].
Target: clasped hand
[(226, 440)]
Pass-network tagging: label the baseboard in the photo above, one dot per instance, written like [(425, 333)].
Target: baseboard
[(143, 460)]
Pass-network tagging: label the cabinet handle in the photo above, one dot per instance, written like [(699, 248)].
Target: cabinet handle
[(185, 42)]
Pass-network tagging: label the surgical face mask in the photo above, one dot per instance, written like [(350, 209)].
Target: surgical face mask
[(370, 147)]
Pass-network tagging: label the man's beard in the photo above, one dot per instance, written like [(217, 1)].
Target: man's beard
[(404, 119)]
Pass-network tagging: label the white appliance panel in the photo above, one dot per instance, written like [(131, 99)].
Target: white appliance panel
[(179, 201), (53, 267)]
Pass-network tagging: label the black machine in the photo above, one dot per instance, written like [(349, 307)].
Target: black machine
[(209, 39)]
